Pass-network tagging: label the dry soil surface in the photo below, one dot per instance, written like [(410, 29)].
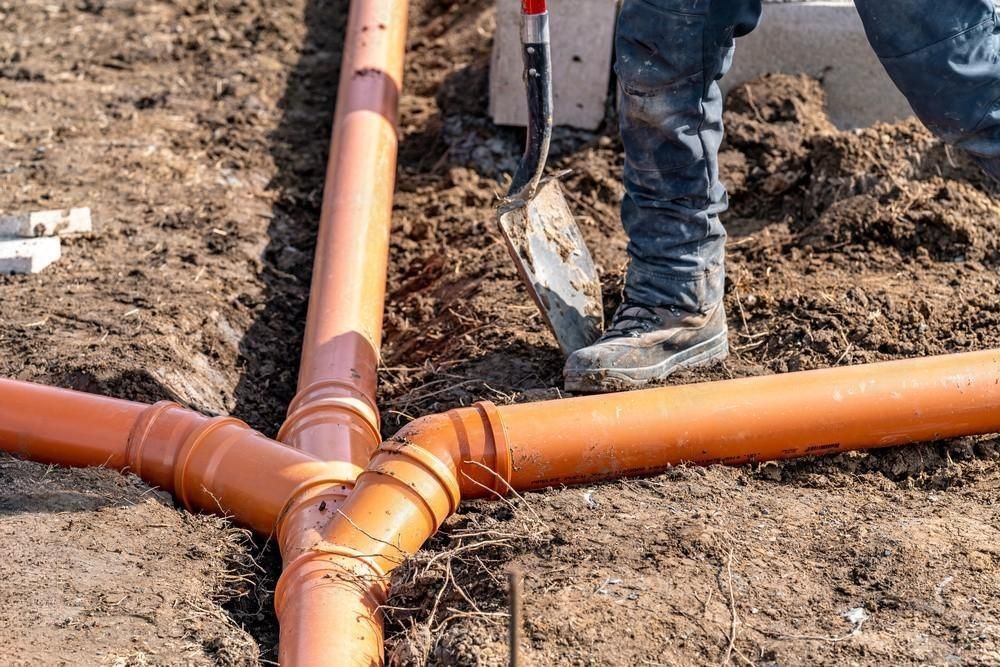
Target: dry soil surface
[(197, 132)]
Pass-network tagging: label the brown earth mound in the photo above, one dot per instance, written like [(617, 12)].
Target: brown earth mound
[(197, 131)]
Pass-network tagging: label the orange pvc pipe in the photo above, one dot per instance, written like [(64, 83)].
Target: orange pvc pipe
[(343, 328), (436, 461), (218, 465), (334, 416), (65, 427), (340, 351), (340, 534), (754, 419)]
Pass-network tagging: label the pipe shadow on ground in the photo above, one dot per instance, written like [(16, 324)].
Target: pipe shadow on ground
[(27, 487), (514, 372), (54, 501)]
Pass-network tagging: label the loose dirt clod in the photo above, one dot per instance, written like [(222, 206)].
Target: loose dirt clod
[(203, 127)]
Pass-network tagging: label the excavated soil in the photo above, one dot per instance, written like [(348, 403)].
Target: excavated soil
[(197, 132)]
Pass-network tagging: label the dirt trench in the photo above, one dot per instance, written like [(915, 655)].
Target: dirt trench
[(197, 131)]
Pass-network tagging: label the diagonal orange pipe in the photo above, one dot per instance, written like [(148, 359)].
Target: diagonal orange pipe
[(436, 461)]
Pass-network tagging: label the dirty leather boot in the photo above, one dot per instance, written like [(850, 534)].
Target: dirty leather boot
[(644, 344)]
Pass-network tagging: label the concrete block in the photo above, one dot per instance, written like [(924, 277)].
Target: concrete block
[(582, 42), (47, 223), (28, 255), (825, 40)]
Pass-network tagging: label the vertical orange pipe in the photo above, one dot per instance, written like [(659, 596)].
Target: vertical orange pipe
[(334, 416), (343, 334), (344, 325)]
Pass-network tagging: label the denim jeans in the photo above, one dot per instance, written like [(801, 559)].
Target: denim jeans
[(944, 55)]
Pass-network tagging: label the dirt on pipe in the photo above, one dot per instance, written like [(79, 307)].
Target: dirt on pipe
[(197, 131)]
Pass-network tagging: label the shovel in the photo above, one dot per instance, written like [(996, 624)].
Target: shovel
[(537, 224)]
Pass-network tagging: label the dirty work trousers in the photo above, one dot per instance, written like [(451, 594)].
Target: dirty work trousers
[(944, 55)]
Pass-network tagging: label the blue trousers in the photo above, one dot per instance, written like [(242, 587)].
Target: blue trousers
[(944, 55)]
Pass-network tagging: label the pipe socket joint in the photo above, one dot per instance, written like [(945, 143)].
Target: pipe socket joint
[(471, 443), (153, 452), (334, 421), (431, 479), (310, 507), (328, 565), (218, 464)]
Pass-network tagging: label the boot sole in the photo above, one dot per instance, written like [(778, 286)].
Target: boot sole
[(708, 352)]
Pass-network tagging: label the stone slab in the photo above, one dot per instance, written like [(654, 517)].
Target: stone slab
[(47, 223), (825, 40), (822, 38), (582, 43), (28, 255)]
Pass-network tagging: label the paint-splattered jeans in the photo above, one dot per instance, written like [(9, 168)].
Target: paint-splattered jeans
[(944, 55)]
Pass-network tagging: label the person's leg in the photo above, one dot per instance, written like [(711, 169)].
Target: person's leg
[(670, 57), (944, 55)]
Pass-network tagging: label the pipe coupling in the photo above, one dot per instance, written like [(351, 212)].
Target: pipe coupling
[(322, 495), (501, 466), (438, 481), (326, 564), (331, 401)]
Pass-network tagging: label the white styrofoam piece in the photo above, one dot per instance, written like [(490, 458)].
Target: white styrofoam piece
[(47, 223), (28, 255)]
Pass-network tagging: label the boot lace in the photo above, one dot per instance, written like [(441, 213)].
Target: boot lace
[(633, 319)]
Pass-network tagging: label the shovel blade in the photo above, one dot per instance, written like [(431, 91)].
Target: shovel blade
[(555, 265)]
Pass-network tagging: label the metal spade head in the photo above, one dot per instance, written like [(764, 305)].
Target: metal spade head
[(555, 264)]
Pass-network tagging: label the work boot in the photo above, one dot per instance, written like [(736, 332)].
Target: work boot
[(644, 344)]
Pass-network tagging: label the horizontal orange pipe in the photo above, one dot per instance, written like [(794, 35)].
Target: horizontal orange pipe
[(334, 416), (754, 419), (65, 427), (436, 461), (217, 465)]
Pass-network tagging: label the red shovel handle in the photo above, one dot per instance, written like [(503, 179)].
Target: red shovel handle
[(532, 7)]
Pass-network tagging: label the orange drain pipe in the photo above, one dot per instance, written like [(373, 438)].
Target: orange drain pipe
[(416, 480), (334, 416), (217, 465), (337, 373)]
